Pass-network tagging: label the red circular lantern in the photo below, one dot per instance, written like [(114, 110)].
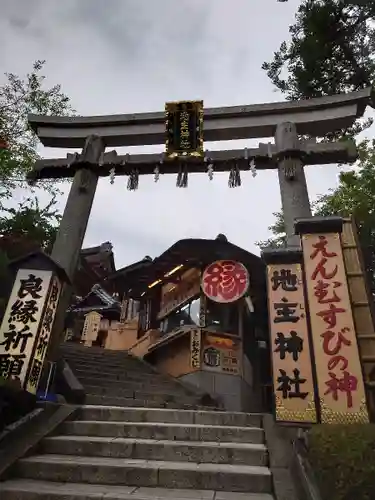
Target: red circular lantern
[(225, 281)]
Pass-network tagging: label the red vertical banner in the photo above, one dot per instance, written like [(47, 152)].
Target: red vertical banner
[(339, 375)]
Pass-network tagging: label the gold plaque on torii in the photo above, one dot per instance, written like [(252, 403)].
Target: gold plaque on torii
[(184, 129)]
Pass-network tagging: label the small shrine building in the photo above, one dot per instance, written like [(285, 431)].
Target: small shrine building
[(198, 312)]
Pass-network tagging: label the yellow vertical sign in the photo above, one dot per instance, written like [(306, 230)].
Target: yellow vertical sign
[(338, 367), (293, 381)]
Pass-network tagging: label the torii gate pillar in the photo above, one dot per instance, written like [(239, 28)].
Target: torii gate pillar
[(293, 187), (76, 215), (71, 233)]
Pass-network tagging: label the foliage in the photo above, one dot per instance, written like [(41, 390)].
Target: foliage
[(343, 472), (354, 197), (32, 222), (18, 98), (331, 50), (278, 240)]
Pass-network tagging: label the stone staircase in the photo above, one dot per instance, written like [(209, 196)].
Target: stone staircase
[(115, 453), (132, 447), (116, 378)]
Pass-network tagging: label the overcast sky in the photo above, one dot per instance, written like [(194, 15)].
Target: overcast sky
[(126, 56)]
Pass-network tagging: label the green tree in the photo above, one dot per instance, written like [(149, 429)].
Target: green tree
[(18, 98), (29, 222), (354, 197), (331, 50)]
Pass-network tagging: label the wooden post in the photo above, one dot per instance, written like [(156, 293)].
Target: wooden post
[(293, 188), (73, 226)]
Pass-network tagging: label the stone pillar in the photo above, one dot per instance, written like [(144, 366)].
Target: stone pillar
[(71, 233), (74, 222), (293, 188)]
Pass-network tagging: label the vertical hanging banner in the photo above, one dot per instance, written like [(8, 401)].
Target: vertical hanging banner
[(45, 329), (338, 368), (293, 382), (21, 322), (195, 348), (184, 129)]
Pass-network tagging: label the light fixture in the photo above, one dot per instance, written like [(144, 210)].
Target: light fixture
[(173, 270), (154, 283)]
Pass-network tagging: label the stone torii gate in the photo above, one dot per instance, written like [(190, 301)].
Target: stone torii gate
[(285, 121)]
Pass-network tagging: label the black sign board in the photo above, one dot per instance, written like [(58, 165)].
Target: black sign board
[(184, 129)]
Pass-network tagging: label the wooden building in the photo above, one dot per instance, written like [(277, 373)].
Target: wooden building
[(170, 318)]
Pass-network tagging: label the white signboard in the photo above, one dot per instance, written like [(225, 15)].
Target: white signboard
[(91, 326), (44, 335), (20, 325)]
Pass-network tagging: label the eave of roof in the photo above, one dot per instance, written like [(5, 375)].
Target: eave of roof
[(195, 252)]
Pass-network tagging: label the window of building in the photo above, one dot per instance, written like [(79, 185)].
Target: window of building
[(222, 317), (188, 314)]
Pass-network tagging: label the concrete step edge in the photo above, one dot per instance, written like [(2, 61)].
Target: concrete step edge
[(92, 389), (60, 491), (124, 402), (166, 410), (164, 424), (261, 447), (150, 464)]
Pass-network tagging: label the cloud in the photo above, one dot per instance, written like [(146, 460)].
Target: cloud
[(132, 56)]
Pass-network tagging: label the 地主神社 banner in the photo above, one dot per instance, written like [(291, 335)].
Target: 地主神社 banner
[(184, 129), (21, 323), (339, 375), (293, 381)]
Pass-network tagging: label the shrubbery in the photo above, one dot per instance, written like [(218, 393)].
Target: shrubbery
[(343, 460)]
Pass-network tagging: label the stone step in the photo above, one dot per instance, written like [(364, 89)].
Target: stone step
[(113, 413), (94, 351), (128, 393), (149, 385), (101, 374), (132, 472), (150, 449), (108, 366), (29, 489), (105, 357), (135, 364), (98, 399), (133, 384), (161, 430)]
